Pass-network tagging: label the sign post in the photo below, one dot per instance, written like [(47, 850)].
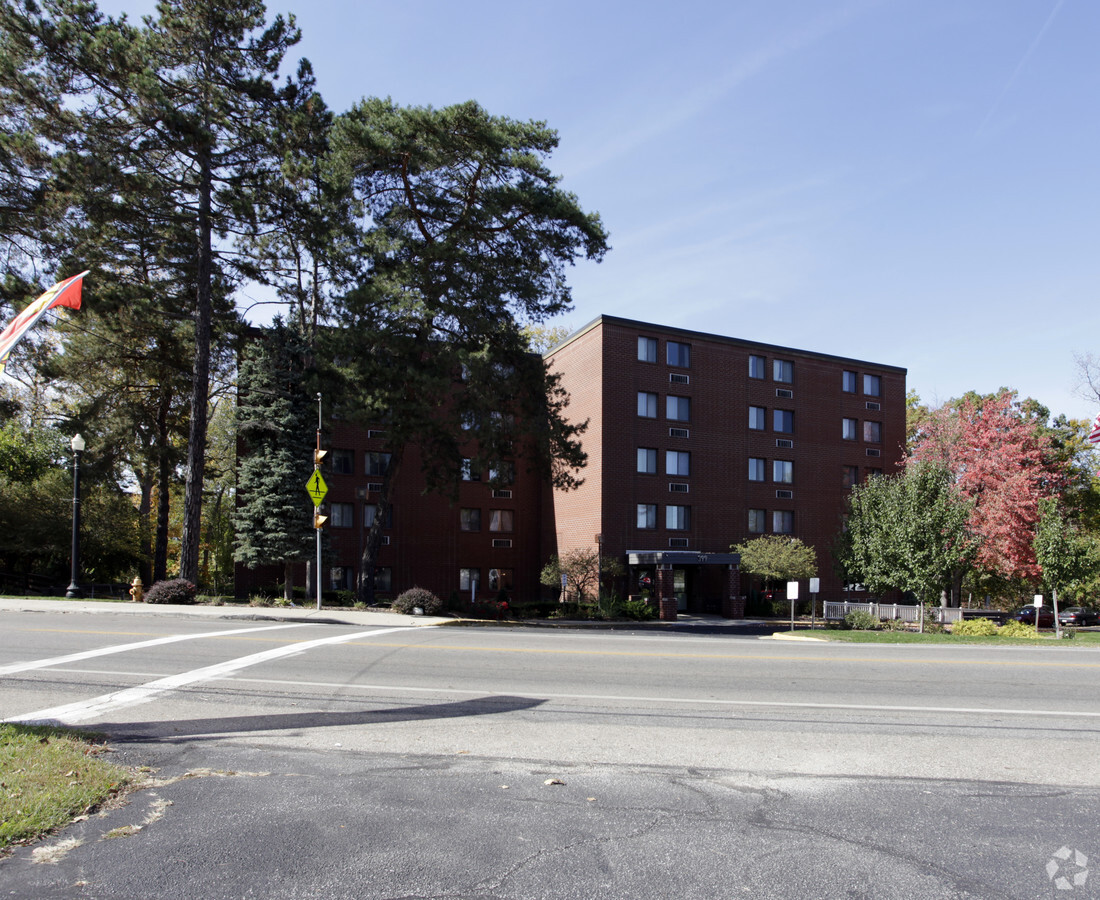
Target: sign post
[(317, 490), (792, 595), (815, 587)]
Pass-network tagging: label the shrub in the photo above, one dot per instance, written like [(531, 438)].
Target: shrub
[(418, 597), (861, 620), (895, 625), (1017, 630), (177, 590), (637, 609), (261, 600), (974, 627)]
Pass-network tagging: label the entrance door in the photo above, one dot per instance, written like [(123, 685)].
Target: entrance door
[(679, 588)]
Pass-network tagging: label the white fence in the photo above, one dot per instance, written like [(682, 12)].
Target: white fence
[(838, 610)]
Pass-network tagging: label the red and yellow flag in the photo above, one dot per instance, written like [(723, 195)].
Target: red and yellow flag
[(64, 293)]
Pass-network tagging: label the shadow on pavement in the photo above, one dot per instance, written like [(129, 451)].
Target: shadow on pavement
[(189, 728)]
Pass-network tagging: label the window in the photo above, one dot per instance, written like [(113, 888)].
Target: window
[(757, 518), (783, 521), (850, 429), (783, 421), (383, 578), (872, 385), (341, 578), (647, 460), (469, 519), (370, 510), (468, 421), (500, 579), (677, 518), (756, 366), (647, 405), (469, 579), (376, 463), (757, 415), (871, 472), (468, 473), (343, 462), (502, 473), (848, 382), (678, 354), (678, 409), (647, 515), (872, 432), (343, 515), (849, 476), (756, 468), (647, 349), (677, 462), (501, 519), (782, 370), (782, 471)]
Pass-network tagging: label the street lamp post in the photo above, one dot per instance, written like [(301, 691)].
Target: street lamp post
[(74, 591), (361, 496)]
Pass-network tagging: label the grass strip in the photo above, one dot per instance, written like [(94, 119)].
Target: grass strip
[(48, 777), (1045, 639)]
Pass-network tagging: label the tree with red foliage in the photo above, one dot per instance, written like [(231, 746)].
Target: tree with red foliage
[(1003, 462)]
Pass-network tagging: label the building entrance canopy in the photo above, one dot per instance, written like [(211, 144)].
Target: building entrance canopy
[(680, 558)]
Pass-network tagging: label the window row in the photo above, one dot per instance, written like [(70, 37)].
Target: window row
[(677, 518), (469, 579), (677, 409), (782, 470), (782, 419), (343, 578), (872, 431), (677, 462), (850, 475), (342, 462), (502, 473), (342, 515), (499, 519), (782, 521), (782, 369), (676, 353), (872, 384)]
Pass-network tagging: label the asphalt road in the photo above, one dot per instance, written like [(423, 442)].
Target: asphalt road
[(309, 760)]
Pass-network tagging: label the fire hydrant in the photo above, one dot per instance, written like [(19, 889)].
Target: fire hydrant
[(135, 589)]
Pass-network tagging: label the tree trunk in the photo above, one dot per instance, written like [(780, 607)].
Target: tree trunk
[(200, 386), (288, 580)]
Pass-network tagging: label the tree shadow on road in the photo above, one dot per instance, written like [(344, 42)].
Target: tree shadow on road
[(190, 728)]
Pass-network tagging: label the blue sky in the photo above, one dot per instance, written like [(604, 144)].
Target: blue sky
[(913, 182)]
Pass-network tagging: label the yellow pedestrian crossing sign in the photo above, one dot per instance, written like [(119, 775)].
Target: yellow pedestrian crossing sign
[(317, 487)]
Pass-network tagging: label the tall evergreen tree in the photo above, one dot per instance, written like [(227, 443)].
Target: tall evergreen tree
[(468, 235), (271, 520)]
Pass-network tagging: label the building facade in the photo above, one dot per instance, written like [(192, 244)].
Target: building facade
[(698, 441), (694, 441)]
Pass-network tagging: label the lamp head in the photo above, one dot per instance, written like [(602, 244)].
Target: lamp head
[(78, 443)]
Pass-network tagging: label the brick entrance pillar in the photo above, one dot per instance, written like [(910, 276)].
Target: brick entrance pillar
[(666, 595), (733, 603)]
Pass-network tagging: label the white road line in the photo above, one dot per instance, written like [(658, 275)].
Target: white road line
[(122, 648), (85, 710)]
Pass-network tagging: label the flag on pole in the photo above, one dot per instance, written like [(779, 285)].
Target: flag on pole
[(64, 293), (1094, 435)]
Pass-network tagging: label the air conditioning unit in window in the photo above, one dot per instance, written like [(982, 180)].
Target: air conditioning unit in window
[(385, 540), (502, 542), (784, 392), (872, 405), (784, 442), (678, 488), (502, 494), (375, 433), (677, 378), (679, 432), (874, 451), (677, 542), (374, 487), (784, 495)]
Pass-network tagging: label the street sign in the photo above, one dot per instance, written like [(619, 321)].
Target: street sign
[(316, 487), (815, 585)]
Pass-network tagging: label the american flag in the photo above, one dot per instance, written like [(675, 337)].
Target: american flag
[(1094, 435)]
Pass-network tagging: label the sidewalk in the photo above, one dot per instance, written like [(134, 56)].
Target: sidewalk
[(685, 622), (328, 616)]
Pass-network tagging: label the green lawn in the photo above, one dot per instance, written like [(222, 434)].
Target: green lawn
[(48, 776), (1046, 639)]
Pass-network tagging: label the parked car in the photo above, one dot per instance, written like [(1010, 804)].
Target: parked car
[(1078, 615), (1027, 616)]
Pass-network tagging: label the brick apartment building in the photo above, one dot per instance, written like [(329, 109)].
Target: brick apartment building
[(695, 441), (698, 441)]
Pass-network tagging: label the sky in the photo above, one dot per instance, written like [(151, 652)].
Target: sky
[(910, 182)]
